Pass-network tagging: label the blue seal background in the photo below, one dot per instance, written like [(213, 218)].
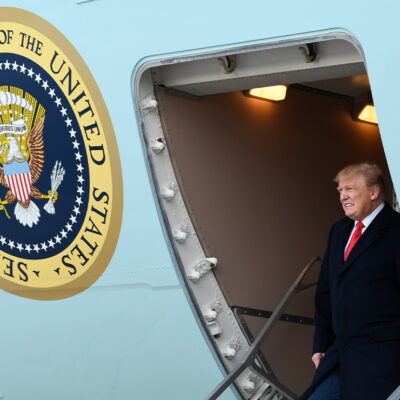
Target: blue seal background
[(57, 146)]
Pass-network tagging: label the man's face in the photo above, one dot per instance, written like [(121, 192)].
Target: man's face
[(356, 197)]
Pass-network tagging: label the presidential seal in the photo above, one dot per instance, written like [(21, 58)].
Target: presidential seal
[(60, 174)]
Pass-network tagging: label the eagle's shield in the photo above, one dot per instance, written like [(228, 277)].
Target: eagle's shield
[(18, 177)]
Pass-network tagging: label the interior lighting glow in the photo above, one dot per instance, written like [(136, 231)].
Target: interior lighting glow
[(368, 114), (274, 93)]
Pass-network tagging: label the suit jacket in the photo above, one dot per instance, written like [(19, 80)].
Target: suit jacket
[(357, 313)]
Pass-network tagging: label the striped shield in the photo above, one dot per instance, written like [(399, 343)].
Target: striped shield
[(18, 177)]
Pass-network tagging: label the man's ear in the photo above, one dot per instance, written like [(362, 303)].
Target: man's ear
[(375, 192)]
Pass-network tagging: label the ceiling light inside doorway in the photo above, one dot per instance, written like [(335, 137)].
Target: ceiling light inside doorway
[(274, 93), (364, 109), (368, 114)]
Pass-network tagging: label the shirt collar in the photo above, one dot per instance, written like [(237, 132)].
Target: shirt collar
[(367, 220)]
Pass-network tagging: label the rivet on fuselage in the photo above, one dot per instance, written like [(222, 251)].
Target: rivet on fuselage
[(167, 193), (202, 268), (157, 145), (149, 103)]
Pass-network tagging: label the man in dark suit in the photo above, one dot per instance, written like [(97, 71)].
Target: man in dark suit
[(357, 319)]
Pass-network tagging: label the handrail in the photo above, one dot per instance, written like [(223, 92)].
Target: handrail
[(255, 312), (250, 339), (252, 352)]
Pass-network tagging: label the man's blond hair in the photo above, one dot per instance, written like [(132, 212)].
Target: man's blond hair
[(370, 171)]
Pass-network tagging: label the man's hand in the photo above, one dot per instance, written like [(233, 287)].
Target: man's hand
[(316, 359)]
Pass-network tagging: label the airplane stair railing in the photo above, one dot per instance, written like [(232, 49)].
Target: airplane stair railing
[(239, 312), (271, 388)]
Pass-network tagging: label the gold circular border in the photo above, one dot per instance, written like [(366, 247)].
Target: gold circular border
[(17, 15)]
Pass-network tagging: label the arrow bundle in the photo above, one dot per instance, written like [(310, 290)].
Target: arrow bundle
[(56, 178)]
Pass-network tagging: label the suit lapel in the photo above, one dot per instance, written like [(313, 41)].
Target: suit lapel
[(370, 235)]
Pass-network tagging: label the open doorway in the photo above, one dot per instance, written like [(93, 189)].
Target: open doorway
[(255, 179)]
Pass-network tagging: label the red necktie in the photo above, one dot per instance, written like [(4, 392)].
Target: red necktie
[(356, 235)]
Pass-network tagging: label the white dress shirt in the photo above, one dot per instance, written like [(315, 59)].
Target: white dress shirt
[(366, 221)]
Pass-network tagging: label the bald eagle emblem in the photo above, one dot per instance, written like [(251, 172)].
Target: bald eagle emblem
[(22, 160)]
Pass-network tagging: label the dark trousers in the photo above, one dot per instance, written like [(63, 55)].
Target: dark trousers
[(329, 388)]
